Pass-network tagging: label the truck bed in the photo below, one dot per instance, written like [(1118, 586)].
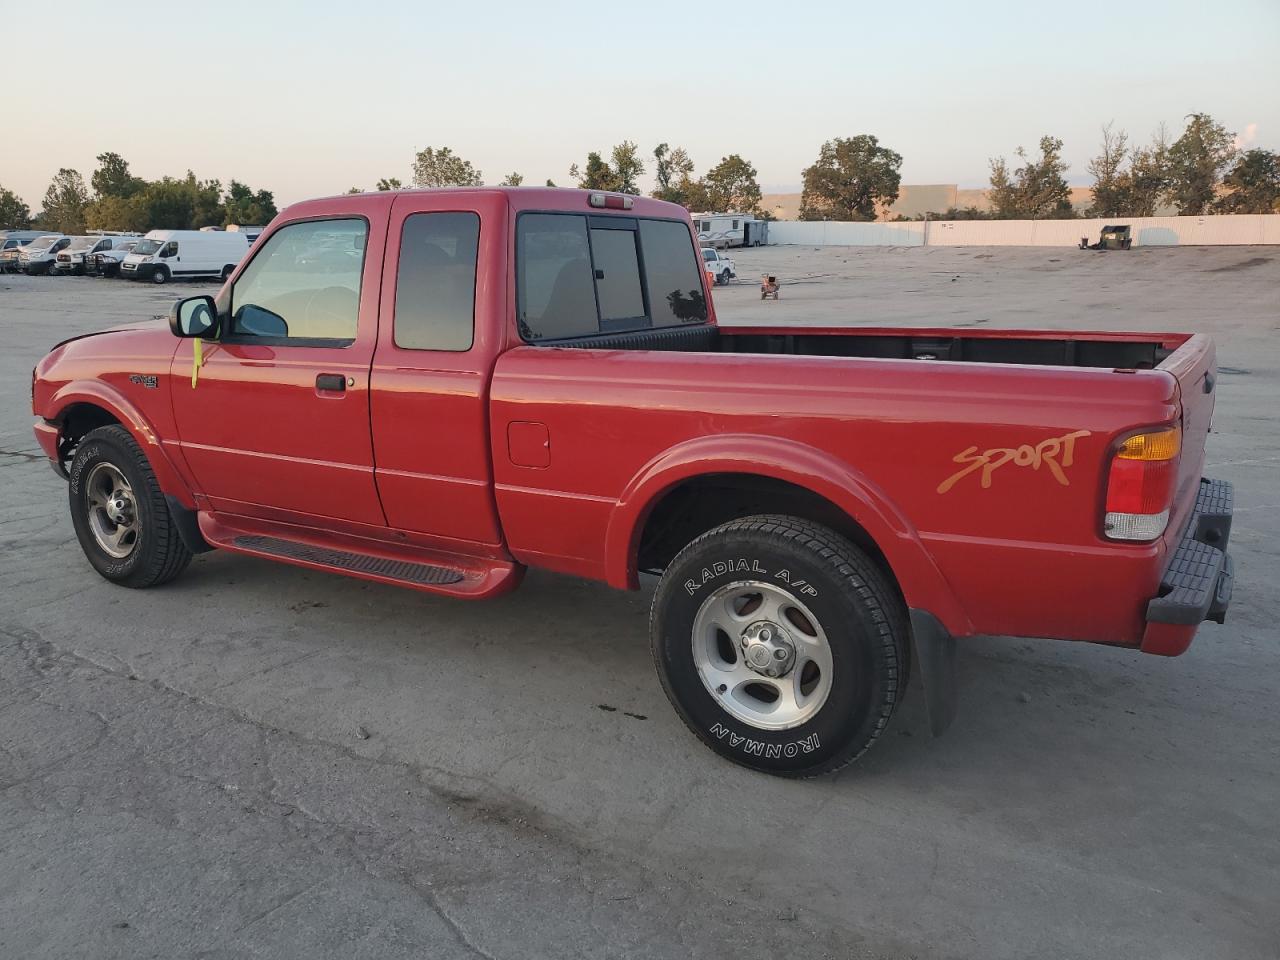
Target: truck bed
[(1095, 348)]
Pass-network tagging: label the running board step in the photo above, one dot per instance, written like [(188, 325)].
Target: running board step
[(350, 562), (465, 576)]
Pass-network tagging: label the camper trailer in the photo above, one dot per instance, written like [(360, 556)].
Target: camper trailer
[(722, 230)]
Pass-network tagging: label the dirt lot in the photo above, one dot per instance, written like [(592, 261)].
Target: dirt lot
[(262, 761)]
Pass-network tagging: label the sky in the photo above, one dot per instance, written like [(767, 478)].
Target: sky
[(309, 99)]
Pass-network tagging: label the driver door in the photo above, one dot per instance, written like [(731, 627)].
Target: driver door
[(277, 422)]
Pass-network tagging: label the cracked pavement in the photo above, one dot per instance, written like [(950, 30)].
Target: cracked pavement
[(261, 761)]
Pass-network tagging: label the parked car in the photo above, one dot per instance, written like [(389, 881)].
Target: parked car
[(40, 254), (719, 267), (11, 241), (515, 378), (106, 263), (74, 258), (186, 254)]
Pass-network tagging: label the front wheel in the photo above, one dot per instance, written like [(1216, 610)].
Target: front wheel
[(161, 275), (119, 512), (780, 644)]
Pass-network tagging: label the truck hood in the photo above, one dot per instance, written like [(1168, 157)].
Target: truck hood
[(156, 324)]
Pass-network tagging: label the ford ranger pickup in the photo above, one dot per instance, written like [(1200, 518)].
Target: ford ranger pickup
[(440, 389)]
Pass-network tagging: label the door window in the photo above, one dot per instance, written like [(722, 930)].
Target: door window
[(303, 285), (169, 249), (617, 271), (436, 282)]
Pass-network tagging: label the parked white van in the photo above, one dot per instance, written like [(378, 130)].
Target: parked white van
[(164, 255), (38, 255)]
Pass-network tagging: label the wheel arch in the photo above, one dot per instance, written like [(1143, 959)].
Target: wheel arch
[(727, 474), (83, 406)]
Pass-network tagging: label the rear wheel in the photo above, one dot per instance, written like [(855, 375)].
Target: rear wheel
[(226, 272), (780, 644), (119, 513)]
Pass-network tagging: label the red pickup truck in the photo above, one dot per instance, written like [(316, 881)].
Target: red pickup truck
[(439, 389)]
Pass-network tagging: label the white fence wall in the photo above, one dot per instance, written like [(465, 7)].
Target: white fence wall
[(1147, 232)]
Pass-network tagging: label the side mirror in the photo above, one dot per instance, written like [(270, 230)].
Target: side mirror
[(194, 317)]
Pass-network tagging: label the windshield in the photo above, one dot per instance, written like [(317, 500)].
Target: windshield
[(148, 246), (82, 243), (708, 255), (42, 243)]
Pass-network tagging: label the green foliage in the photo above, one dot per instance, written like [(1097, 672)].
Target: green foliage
[(1111, 182), (242, 205), (620, 175), (113, 179), (512, 180), (550, 182), (65, 203), (14, 213), (391, 183), (953, 213), (851, 178), (1037, 190), (731, 186), (1196, 162), (673, 174), (444, 168), (1253, 185)]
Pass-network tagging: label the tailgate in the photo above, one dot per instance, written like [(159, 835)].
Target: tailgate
[(1194, 365)]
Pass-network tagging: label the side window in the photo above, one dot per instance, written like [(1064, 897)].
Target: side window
[(303, 284), (556, 296), (672, 274), (736, 224), (617, 271), (169, 249), (436, 282)]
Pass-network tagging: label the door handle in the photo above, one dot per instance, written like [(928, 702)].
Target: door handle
[(331, 382)]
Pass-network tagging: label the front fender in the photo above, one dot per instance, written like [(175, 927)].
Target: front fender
[(922, 584), (100, 394)]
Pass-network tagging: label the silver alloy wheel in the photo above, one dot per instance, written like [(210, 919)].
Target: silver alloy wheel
[(159, 276), (762, 655), (113, 513)]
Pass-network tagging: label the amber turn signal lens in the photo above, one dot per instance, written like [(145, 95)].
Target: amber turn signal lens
[(1159, 445)]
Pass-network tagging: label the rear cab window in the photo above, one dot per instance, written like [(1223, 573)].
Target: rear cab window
[(581, 275)]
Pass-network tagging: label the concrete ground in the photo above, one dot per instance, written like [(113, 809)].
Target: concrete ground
[(260, 761)]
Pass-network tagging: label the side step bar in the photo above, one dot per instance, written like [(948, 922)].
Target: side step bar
[(367, 559), (348, 562)]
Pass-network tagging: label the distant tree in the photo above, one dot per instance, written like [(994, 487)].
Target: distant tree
[(65, 203), (115, 213), (14, 213), (1197, 161), (1148, 176), (618, 175), (1037, 190), (1253, 185), (550, 182), (851, 178), (673, 171), (953, 213), (242, 205), (731, 186), (389, 184), (113, 179), (1112, 183), (185, 204), (628, 167), (512, 180), (444, 168), (351, 190)]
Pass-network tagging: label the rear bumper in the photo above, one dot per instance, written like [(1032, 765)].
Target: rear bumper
[(1196, 585)]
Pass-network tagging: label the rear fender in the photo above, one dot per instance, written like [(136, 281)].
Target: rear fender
[(922, 584), (99, 394)]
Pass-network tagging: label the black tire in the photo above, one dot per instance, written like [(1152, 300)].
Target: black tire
[(161, 275), (862, 616), (226, 272), (158, 554)]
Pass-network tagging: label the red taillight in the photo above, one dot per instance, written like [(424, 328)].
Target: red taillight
[(1141, 485), (611, 201)]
